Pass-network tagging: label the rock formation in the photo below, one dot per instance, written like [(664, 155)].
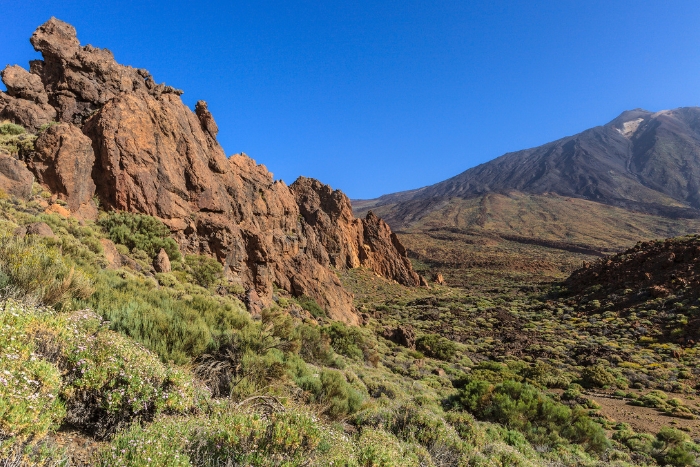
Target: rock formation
[(134, 145), (347, 242), (162, 263)]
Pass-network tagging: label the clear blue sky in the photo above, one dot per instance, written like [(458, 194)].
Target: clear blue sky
[(374, 97)]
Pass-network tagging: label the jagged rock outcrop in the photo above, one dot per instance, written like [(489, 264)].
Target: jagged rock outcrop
[(347, 242), (136, 146)]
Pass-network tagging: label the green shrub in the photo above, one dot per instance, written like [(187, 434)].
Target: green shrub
[(345, 340), (175, 327), (114, 381), (673, 447), (417, 425), (14, 139), (310, 305), (205, 270), (376, 448), (224, 437), (315, 346), (7, 128), (32, 270), (68, 368), (141, 232), (330, 390), (436, 346), (537, 416), (29, 387), (598, 376)]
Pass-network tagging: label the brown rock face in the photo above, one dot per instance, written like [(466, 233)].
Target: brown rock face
[(63, 162), (140, 149), (15, 179)]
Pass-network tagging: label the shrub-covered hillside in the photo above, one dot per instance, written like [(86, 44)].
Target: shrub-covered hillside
[(107, 362)]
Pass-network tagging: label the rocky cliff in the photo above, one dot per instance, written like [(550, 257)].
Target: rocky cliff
[(108, 131)]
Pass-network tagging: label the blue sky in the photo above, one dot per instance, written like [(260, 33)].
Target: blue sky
[(374, 97)]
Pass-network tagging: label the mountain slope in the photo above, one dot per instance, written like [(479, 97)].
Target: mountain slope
[(539, 212), (642, 161)]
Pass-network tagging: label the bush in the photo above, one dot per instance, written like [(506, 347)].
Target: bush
[(60, 368), (315, 346), (417, 425), (205, 270), (330, 390), (29, 387), (175, 327), (141, 232), (526, 409), (673, 447), (345, 340), (250, 359), (377, 448), (435, 346), (114, 381), (224, 437), (310, 305), (33, 271), (598, 376), (14, 139)]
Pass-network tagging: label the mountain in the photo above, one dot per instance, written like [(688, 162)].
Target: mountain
[(641, 161), (544, 210), (101, 133)]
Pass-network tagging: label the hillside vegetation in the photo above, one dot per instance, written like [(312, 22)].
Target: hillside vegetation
[(111, 363)]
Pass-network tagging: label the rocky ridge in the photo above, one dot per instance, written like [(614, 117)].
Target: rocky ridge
[(108, 132)]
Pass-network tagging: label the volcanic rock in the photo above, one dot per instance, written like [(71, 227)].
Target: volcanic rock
[(649, 269), (24, 112)]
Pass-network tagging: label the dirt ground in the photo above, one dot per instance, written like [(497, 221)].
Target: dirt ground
[(644, 419)]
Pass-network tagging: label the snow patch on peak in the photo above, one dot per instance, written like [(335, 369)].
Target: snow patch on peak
[(628, 128)]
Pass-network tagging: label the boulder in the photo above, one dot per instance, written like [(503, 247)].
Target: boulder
[(402, 335), (39, 228), (438, 278), (15, 179), (111, 253), (26, 113), (22, 84), (161, 263)]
